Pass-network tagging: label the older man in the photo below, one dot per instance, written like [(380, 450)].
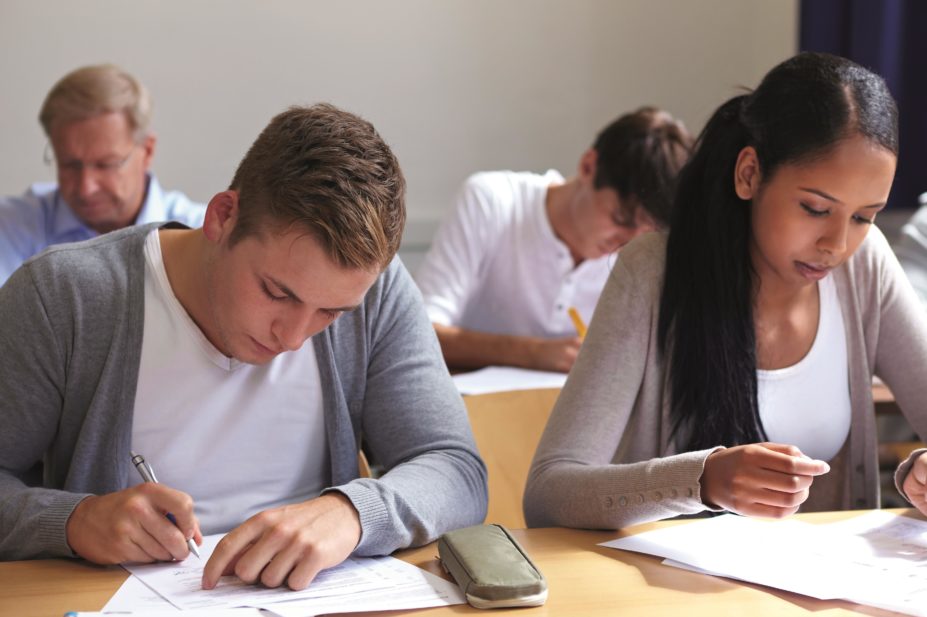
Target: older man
[(97, 120)]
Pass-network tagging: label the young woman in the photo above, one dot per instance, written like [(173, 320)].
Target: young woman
[(729, 364)]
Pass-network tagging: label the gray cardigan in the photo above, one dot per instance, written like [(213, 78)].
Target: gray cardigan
[(70, 346), (607, 458)]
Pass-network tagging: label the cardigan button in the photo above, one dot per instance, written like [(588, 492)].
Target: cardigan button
[(609, 502), (622, 501)]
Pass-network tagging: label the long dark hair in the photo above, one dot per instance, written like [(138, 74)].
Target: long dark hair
[(800, 111)]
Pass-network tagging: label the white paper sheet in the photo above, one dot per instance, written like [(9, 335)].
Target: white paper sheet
[(174, 612), (422, 590), (878, 559), (504, 378), (134, 595), (379, 583)]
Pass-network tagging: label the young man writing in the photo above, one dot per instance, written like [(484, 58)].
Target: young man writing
[(520, 249), (246, 360)]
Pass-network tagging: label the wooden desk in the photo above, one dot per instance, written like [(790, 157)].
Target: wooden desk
[(583, 579)]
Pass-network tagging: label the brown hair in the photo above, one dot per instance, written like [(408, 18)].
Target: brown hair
[(329, 171), (639, 156), (95, 90)]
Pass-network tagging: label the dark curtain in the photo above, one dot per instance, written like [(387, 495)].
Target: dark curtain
[(890, 38)]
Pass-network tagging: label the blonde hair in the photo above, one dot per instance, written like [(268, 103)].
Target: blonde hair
[(95, 90)]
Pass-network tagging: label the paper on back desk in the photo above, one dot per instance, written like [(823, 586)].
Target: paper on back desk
[(506, 378)]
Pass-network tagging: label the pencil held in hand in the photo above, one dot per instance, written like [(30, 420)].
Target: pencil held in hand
[(577, 321)]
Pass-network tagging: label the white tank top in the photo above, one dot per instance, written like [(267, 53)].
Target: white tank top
[(808, 404)]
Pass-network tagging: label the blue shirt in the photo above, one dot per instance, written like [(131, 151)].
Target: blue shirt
[(41, 218)]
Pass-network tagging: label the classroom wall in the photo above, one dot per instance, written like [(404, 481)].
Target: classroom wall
[(454, 85)]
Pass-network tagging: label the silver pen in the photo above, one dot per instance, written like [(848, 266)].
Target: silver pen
[(148, 475)]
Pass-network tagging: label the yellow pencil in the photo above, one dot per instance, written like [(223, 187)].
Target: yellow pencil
[(577, 321)]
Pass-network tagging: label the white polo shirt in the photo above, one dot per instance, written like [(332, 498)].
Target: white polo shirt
[(496, 266)]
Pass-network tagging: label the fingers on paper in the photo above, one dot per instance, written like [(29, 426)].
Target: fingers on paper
[(225, 557)]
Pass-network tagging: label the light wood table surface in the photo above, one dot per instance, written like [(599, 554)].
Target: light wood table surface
[(583, 579)]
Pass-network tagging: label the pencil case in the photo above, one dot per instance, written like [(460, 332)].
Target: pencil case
[(491, 568)]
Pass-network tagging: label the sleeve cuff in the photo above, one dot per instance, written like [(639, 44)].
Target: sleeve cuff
[(374, 518), (51, 536)]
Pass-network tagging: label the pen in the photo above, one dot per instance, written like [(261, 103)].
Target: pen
[(148, 475), (577, 321)]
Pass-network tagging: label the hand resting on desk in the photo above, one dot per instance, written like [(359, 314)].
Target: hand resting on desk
[(556, 354), (763, 479), (130, 525), (291, 544)]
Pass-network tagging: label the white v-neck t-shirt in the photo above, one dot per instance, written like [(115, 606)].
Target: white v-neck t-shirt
[(808, 404), (238, 438)]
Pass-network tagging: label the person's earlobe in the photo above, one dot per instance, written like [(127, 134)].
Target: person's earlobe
[(221, 215), (747, 173), (148, 148), (587, 164)]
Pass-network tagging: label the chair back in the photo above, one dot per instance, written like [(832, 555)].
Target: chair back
[(507, 427)]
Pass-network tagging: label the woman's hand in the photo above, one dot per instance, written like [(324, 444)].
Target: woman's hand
[(762, 479), (915, 484)]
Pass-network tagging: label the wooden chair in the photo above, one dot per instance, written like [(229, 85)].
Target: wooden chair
[(363, 466), (507, 427), (892, 450)]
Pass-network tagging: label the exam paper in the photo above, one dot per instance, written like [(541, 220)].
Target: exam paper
[(504, 378), (878, 559), (360, 583), (888, 556), (427, 591), (170, 611), (136, 596)]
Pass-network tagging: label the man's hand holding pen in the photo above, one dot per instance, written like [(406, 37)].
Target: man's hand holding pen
[(131, 525)]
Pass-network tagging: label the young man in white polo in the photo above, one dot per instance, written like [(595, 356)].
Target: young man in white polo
[(520, 250)]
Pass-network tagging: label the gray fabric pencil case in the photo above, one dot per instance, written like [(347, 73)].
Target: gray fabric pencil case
[(491, 568)]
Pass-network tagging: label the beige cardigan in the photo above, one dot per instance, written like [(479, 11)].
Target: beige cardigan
[(606, 459)]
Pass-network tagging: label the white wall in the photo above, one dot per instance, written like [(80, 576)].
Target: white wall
[(454, 85)]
